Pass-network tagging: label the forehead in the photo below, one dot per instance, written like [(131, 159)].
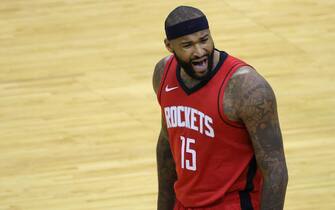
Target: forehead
[(193, 37)]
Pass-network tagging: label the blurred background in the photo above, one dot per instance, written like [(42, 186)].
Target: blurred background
[(80, 121)]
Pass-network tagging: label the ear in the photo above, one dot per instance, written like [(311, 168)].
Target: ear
[(168, 45)]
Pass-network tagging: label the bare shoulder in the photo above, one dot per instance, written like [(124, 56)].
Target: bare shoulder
[(158, 73), (256, 93), (247, 91)]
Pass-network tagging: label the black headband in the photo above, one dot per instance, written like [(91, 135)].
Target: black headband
[(187, 27)]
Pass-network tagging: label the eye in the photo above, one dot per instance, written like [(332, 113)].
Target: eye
[(186, 45), (204, 40)]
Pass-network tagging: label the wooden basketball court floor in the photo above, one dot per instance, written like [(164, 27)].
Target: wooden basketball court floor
[(79, 119)]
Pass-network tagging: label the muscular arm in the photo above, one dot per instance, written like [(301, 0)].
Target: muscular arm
[(253, 102), (166, 172), (165, 164)]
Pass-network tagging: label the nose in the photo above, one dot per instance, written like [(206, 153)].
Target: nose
[(199, 51)]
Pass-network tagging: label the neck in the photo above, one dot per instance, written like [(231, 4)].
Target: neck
[(190, 81)]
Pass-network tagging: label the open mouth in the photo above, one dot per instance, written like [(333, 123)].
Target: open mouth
[(200, 65)]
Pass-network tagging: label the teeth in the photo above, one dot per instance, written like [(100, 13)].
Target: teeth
[(199, 62)]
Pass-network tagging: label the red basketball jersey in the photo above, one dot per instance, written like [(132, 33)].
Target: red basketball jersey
[(214, 156)]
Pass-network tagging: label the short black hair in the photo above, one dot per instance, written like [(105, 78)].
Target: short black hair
[(181, 14)]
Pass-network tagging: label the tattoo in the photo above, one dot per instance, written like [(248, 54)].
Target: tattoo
[(251, 100), (230, 103), (165, 163), (166, 174)]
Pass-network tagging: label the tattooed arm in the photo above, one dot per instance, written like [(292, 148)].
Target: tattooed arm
[(166, 172), (252, 101), (165, 164)]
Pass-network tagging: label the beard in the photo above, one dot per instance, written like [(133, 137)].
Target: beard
[(187, 66)]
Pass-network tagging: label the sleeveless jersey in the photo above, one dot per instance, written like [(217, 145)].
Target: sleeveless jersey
[(214, 156)]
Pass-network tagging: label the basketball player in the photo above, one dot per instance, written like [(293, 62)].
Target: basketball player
[(220, 146)]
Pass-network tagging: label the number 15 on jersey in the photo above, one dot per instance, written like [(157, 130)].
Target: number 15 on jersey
[(190, 163)]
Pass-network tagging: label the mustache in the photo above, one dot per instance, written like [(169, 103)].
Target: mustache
[(199, 58)]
